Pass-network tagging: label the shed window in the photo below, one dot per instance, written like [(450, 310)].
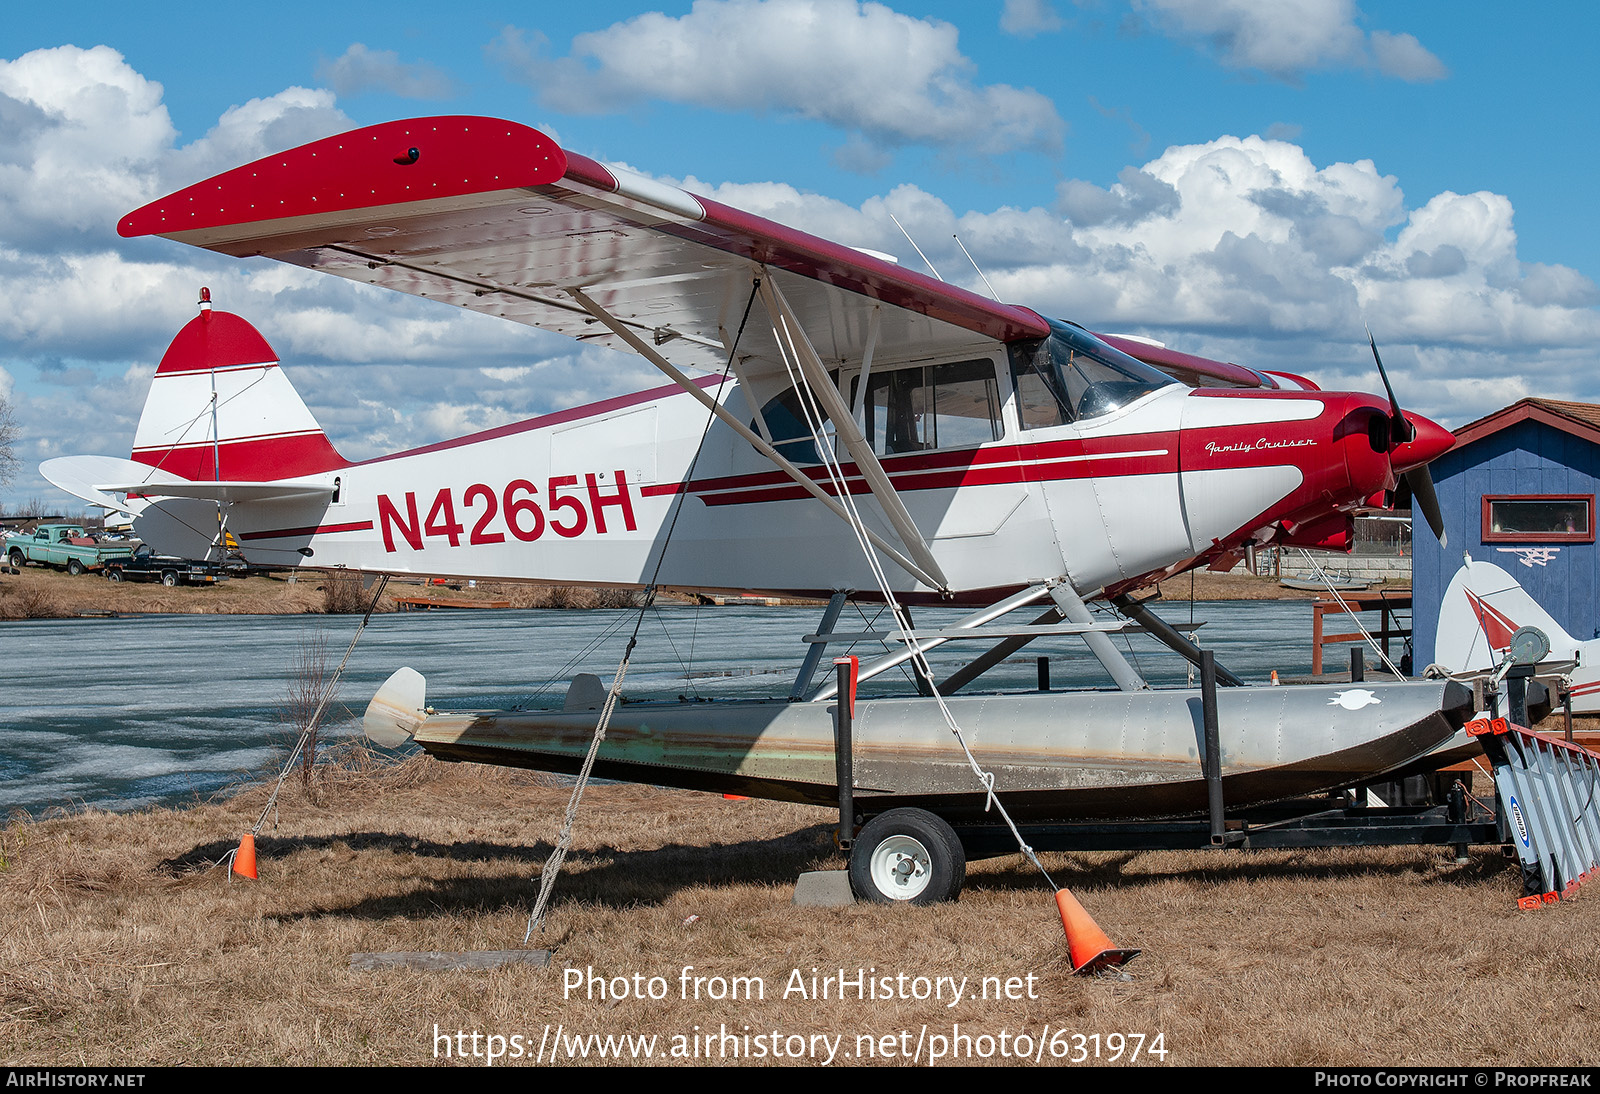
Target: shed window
[(1538, 518)]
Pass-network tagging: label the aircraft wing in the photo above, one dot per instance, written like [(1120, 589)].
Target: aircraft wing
[(496, 217)]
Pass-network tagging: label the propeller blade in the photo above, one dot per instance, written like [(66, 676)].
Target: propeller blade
[(1400, 430), (1417, 482), (1423, 497)]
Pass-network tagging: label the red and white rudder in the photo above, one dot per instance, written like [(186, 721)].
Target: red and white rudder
[(220, 408), (221, 426)]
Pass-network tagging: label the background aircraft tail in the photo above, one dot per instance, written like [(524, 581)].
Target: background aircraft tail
[(1481, 610), (220, 408)]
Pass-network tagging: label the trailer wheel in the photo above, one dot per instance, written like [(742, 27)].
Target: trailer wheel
[(169, 578), (907, 855), (74, 567)]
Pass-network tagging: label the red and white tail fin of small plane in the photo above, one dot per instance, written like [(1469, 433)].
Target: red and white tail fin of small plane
[(222, 423), (1484, 606), (221, 409)]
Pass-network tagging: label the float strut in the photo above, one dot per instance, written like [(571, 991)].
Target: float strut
[(843, 718), (1208, 714), (1168, 635), (1099, 643)]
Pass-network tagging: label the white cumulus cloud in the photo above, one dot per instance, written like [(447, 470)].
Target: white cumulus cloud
[(84, 138), (1244, 249), (360, 69), (1288, 38), (1025, 18), (85, 315), (862, 67)]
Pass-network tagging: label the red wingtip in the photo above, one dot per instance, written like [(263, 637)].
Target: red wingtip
[(359, 169)]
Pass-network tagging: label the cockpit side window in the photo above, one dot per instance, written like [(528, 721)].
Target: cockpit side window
[(933, 406), (907, 410), (1072, 375)]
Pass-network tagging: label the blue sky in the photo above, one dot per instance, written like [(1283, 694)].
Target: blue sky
[(1249, 179)]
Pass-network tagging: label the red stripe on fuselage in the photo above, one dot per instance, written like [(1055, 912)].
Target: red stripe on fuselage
[(318, 530), (966, 460)]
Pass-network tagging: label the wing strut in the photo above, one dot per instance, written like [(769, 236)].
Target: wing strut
[(649, 353), (797, 347)]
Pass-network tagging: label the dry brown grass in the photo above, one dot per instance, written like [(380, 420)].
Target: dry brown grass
[(68, 596), (28, 601), (40, 593), (524, 595), (124, 946)]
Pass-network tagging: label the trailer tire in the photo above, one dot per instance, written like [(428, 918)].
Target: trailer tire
[(169, 578), (907, 855), (74, 567)]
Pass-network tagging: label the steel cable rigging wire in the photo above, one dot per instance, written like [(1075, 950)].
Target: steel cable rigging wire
[(837, 479), (316, 715), (558, 855), (1345, 608)]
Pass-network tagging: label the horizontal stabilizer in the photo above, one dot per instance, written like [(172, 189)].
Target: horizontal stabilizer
[(96, 478), (286, 490), (80, 476)]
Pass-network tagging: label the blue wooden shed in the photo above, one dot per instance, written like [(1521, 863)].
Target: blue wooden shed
[(1518, 490)]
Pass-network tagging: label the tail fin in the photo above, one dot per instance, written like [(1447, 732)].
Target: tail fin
[(221, 408), (1481, 610)]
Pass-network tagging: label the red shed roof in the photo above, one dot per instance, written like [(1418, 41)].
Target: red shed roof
[(1579, 419)]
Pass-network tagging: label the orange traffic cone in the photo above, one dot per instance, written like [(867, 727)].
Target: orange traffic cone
[(244, 859), (1090, 948)]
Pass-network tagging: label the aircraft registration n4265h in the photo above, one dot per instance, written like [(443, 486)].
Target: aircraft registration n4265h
[(834, 425)]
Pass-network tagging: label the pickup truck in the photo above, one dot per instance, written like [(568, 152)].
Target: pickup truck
[(62, 546), (146, 565)]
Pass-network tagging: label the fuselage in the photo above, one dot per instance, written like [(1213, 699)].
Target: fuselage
[(1011, 477)]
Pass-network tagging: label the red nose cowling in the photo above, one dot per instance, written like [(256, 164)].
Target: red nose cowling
[(1432, 441)]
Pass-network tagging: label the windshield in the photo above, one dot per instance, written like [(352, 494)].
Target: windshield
[(1073, 375)]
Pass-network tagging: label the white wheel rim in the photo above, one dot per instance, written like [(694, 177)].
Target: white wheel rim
[(901, 868)]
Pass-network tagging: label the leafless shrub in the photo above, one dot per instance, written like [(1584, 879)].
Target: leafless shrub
[(309, 679), (27, 601), (342, 594)]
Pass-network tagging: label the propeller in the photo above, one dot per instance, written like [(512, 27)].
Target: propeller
[(1417, 480)]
